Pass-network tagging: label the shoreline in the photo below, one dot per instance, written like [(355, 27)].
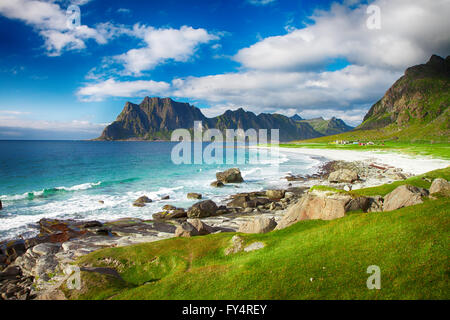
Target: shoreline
[(62, 242), (410, 164)]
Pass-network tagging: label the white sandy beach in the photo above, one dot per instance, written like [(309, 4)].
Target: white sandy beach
[(410, 164)]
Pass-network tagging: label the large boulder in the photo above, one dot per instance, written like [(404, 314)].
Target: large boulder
[(275, 194), (202, 209), (440, 186), (232, 175), (403, 196), (258, 225), (343, 175), (312, 206), (201, 227), (192, 228)]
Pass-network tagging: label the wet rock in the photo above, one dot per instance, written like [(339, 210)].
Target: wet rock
[(275, 194), (217, 184), (140, 202), (1, 205), (64, 230), (165, 198), (343, 175), (230, 176), (202, 209), (258, 225), (440, 186), (175, 213), (194, 195), (404, 196)]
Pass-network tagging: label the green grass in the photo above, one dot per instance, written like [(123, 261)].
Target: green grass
[(410, 245), (436, 150), (421, 181)]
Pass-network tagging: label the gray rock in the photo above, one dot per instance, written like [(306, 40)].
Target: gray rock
[(311, 207), (46, 248), (404, 196), (202, 228), (275, 194), (441, 186), (256, 202), (237, 245), (254, 246), (186, 230), (343, 175), (202, 209), (258, 225)]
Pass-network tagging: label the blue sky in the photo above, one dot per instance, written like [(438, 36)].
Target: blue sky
[(315, 58)]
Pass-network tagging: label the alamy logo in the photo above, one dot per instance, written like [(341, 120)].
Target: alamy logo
[(73, 14), (374, 281), (374, 20), (231, 150), (74, 277)]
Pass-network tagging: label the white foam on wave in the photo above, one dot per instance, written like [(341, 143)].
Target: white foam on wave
[(40, 193), (106, 207)]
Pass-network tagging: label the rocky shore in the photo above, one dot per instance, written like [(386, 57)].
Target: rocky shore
[(36, 268)]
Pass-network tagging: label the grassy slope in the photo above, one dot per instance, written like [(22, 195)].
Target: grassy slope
[(410, 245)]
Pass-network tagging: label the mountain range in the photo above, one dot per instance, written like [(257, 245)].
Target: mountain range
[(326, 127), (156, 118), (416, 107)]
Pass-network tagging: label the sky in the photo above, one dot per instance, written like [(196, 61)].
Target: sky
[(67, 68)]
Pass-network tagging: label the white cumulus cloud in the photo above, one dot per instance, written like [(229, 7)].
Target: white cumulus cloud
[(112, 88), (162, 45), (49, 19), (288, 74)]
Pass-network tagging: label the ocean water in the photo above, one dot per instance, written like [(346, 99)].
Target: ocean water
[(68, 179)]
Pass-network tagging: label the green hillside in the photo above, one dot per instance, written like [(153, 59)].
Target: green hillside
[(414, 109), (309, 260), (328, 127)]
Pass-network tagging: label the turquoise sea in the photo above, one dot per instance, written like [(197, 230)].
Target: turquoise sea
[(68, 179)]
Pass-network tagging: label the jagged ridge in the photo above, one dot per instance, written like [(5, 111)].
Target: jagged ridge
[(155, 119)]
